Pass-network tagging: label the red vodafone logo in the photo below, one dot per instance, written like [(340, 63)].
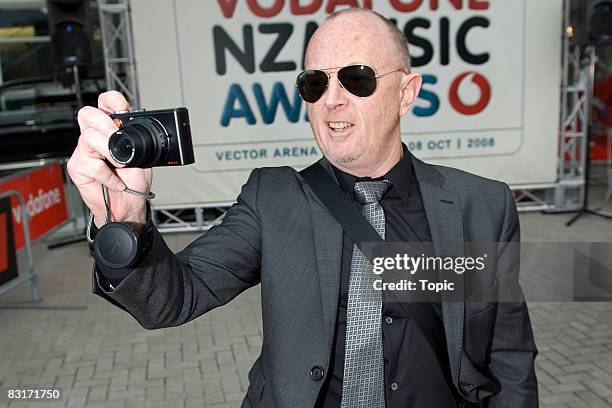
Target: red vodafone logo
[(485, 94), (43, 188)]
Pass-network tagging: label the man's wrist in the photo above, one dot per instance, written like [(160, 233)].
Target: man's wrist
[(137, 223), (98, 222), (141, 219)]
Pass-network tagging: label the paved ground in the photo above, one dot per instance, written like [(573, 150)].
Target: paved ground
[(103, 358)]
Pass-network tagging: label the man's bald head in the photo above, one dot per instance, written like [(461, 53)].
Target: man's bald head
[(360, 134), (397, 39)]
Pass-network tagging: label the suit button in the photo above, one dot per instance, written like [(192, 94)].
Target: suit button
[(467, 386), (316, 373), (389, 319)]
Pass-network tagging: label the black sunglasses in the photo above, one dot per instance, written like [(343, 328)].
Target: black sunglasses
[(360, 80)]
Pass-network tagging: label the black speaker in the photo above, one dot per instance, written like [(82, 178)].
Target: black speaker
[(592, 22), (69, 31)]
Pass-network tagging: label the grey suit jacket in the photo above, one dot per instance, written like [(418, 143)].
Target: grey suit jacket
[(279, 234)]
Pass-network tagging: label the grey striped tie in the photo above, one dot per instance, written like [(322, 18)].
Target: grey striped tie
[(363, 384)]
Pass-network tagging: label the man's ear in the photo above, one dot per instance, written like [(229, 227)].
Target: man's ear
[(410, 87)]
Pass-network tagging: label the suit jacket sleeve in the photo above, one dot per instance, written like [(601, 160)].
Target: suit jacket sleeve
[(168, 290), (513, 349)]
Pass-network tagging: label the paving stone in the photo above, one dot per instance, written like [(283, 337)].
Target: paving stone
[(104, 359), (98, 393)]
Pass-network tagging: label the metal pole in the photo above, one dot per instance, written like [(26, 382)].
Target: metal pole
[(118, 48), (76, 235), (70, 199), (105, 27), (77, 86), (584, 151), (135, 102), (560, 192)]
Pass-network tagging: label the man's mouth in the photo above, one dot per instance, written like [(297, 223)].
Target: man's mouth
[(339, 126)]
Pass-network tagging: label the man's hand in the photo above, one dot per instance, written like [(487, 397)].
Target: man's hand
[(89, 171)]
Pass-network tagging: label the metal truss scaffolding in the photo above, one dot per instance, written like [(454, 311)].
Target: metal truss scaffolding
[(119, 60), (183, 218), (566, 194)]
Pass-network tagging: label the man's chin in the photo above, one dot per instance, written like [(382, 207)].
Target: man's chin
[(344, 157)]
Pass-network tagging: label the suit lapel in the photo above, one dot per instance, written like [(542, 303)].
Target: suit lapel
[(443, 211), (328, 239)]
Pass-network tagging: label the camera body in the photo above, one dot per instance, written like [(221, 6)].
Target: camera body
[(152, 138)]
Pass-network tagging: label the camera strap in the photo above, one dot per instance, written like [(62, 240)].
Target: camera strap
[(147, 196)]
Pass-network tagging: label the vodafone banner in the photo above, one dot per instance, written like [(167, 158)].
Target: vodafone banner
[(43, 191), (489, 103)]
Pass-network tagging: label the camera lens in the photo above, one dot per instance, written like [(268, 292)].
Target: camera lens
[(139, 143), (123, 148)]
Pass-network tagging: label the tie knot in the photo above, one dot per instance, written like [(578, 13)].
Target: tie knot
[(368, 192)]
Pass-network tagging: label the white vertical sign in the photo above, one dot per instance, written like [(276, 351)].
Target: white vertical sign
[(489, 102)]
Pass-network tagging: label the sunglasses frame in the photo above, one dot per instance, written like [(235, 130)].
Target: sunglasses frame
[(337, 69)]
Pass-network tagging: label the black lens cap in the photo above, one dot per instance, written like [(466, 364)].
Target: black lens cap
[(116, 246)]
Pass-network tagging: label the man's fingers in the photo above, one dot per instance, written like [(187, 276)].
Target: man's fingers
[(84, 169), (112, 101), (95, 144), (90, 117), (99, 171)]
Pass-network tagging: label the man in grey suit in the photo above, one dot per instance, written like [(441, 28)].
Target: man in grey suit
[(327, 340)]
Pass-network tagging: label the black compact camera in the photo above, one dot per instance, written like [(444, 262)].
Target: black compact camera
[(152, 138)]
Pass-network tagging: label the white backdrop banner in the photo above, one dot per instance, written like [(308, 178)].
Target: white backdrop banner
[(489, 102)]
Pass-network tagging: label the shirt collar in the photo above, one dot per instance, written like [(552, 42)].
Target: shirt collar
[(401, 177)]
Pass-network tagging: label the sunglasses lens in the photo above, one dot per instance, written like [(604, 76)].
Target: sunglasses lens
[(359, 80), (312, 85)]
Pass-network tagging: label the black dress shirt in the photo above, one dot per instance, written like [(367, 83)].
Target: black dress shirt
[(416, 376)]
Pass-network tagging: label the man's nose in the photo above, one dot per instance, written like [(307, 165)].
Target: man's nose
[(336, 94)]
